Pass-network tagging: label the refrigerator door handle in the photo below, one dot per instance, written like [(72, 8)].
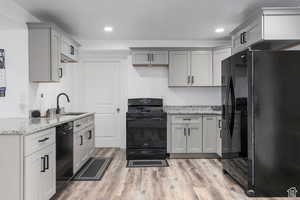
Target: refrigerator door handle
[(231, 127)]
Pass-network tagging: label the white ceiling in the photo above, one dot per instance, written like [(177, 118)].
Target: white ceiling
[(147, 19)]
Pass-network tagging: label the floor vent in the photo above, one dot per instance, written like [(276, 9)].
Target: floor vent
[(147, 163), (93, 170)]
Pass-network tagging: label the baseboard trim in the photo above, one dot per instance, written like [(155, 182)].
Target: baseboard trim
[(194, 156)]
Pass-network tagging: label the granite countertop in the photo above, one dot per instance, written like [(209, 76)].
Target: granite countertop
[(216, 110), (25, 126)]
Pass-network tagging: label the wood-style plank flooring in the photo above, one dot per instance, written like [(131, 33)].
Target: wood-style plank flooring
[(185, 179)]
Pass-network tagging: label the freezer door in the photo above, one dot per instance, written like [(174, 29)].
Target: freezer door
[(276, 118)]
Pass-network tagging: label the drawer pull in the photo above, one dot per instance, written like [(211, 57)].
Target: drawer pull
[(78, 125), (209, 118), (187, 119), (43, 140)]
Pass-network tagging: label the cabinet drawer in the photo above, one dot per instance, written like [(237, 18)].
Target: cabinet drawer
[(179, 119), (39, 140)]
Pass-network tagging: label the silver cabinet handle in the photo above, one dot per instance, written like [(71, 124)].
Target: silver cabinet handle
[(152, 57), (188, 79), (192, 80), (187, 119), (184, 131), (148, 57), (220, 124), (189, 131)]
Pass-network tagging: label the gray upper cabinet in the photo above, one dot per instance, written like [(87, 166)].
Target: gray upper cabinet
[(179, 69), (201, 68), (69, 50), (48, 48), (210, 131), (218, 56), (276, 26), (148, 57), (44, 52), (190, 68)]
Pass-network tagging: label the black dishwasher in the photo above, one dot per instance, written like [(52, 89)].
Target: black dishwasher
[(64, 154)]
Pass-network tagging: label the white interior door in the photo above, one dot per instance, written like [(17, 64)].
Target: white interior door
[(102, 96)]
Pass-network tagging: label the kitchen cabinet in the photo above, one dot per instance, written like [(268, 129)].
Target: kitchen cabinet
[(201, 68), (44, 52), (194, 134), (219, 136), (179, 138), (210, 132), (148, 57), (40, 172), (84, 141), (218, 56), (270, 28), (49, 46), (194, 138), (179, 69), (69, 50), (186, 134), (190, 68)]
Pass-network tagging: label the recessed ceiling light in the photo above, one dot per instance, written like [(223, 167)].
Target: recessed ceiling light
[(108, 28), (219, 30)]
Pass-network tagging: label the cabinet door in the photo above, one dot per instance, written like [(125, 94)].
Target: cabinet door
[(160, 58), (194, 138), (179, 138), (141, 58), (209, 134), (32, 178), (49, 176), (201, 68), (219, 139), (179, 68), (218, 57), (55, 54)]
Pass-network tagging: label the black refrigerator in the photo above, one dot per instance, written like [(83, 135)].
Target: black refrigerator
[(261, 121)]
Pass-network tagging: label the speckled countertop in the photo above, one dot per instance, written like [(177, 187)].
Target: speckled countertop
[(216, 110), (24, 126)]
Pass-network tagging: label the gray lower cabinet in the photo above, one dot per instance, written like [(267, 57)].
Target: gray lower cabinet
[(179, 142), (210, 134), (84, 141), (194, 134), (194, 138), (186, 136)]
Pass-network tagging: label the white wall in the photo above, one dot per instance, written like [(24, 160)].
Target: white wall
[(51, 90), (15, 104), (14, 39), (153, 82)]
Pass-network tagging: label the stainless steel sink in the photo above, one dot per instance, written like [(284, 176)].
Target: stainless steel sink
[(74, 113)]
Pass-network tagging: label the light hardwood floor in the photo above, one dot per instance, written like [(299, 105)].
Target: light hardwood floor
[(185, 179)]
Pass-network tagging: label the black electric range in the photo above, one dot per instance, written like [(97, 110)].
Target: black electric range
[(146, 125)]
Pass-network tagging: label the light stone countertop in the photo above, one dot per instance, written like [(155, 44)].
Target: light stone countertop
[(210, 110), (25, 126)]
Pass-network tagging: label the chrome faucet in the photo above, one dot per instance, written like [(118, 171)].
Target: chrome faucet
[(57, 101)]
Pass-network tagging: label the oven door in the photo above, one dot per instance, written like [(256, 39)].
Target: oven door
[(146, 132)]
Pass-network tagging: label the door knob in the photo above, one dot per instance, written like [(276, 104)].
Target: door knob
[(118, 109)]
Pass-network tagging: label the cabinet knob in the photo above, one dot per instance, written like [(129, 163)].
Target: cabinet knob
[(118, 109)]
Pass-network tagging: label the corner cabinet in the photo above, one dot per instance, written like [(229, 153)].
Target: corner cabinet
[(190, 68), (49, 47), (44, 52)]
